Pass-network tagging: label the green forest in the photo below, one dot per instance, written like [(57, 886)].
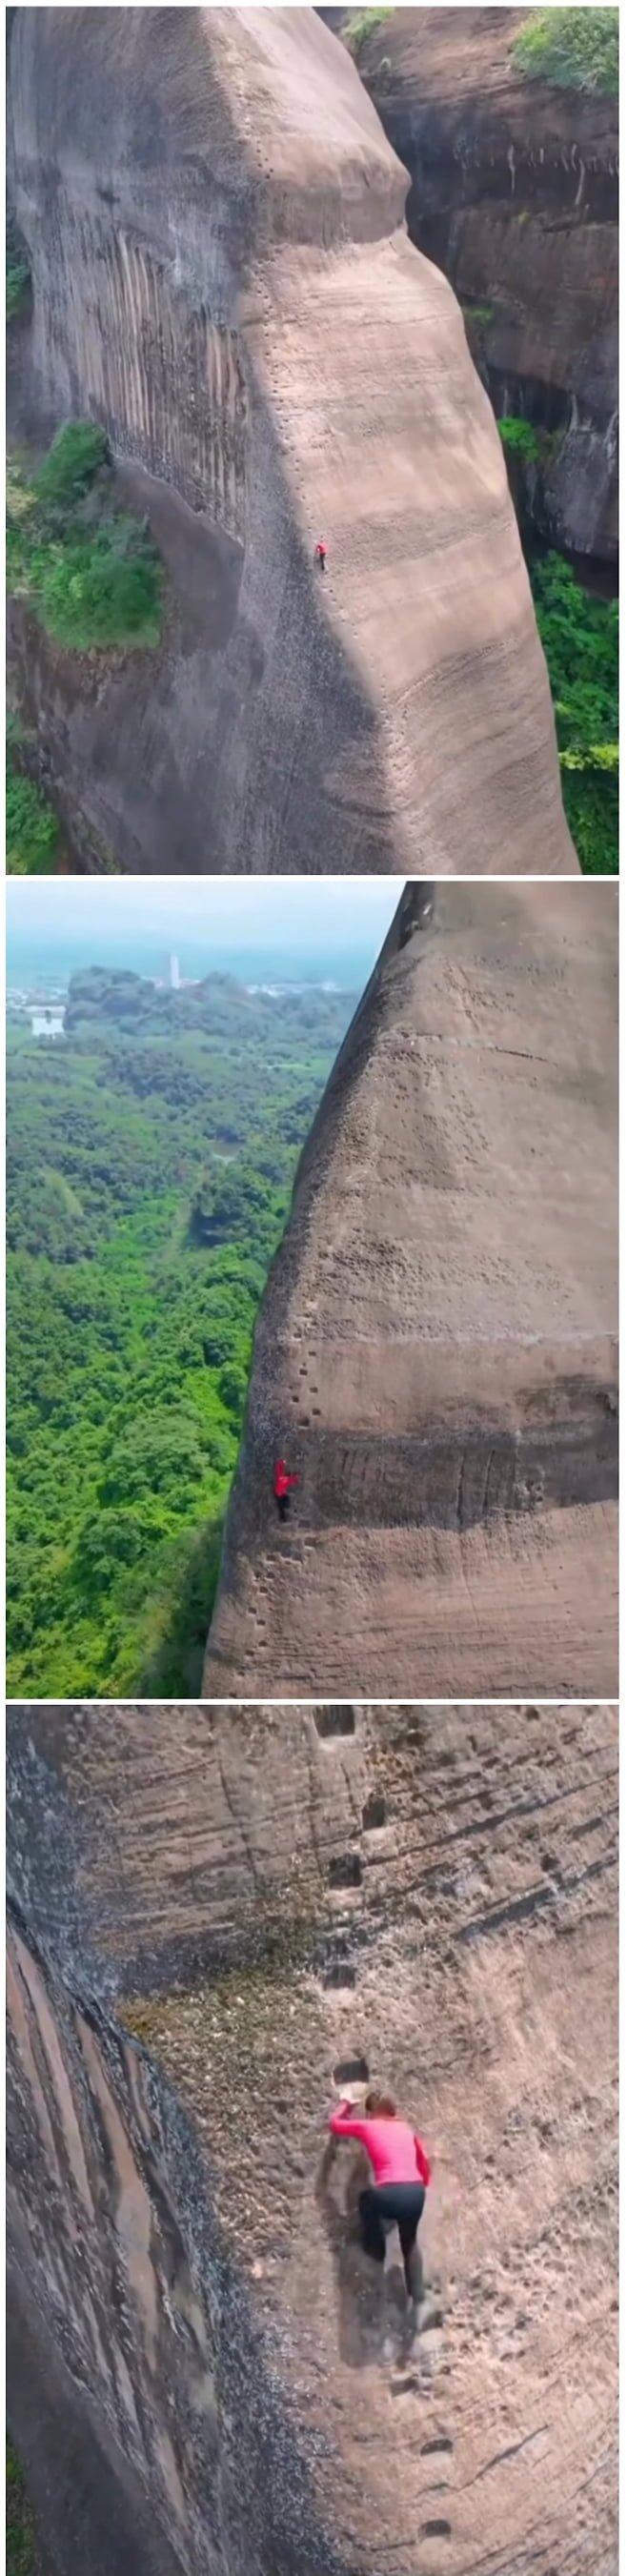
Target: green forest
[(151, 1154)]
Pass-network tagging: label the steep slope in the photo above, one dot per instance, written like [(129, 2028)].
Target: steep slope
[(203, 2379), (436, 1349), (223, 278), (515, 195)]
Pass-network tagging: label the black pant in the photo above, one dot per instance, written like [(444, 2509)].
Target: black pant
[(392, 2204), (283, 1504)]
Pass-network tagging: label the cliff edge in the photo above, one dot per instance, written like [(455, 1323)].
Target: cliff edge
[(222, 277), (435, 1355)]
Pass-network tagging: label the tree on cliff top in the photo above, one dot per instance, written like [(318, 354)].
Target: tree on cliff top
[(571, 48)]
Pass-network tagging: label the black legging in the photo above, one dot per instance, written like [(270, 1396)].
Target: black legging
[(283, 1505), (392, 2204)]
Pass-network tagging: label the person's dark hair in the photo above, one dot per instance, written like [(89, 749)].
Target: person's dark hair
[(380, 2106)]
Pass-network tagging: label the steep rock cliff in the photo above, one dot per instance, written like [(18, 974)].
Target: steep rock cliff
[(435, 1353), (515, 195), (213, 1914), (223, 278)]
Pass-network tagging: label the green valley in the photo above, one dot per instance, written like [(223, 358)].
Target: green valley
[(150, 1160)]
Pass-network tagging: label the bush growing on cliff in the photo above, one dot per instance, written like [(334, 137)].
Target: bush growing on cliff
[(520, 438), (71, 465), (104, 594), (17, 285), (580, 639), (32, 831), (572, 48), (361, 24), (91, 571)]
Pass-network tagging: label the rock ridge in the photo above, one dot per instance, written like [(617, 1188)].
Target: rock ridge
[(436, 1348)]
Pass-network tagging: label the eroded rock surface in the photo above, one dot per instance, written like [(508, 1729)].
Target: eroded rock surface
[(222, 276), (213, 1915), (515, 195), (436, 1354)]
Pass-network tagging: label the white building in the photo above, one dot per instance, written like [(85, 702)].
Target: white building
[(46, 1019)]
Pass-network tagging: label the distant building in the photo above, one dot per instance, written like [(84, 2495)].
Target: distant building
[(47, 1021), (173, 981)]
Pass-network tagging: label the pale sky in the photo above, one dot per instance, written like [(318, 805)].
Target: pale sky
[(273, 913)]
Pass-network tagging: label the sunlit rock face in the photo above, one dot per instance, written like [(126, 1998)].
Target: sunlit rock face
[(216, 1916), (514, 193), (436, 1351), (222, 276)]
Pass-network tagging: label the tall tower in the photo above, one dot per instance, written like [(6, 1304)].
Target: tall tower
[(175, 974)]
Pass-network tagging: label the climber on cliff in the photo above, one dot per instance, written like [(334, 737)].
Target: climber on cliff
[(320, 556), (401, 2170), (281, 1485)]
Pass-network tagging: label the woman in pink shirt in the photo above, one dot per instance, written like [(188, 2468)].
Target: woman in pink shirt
[(401, 2171)]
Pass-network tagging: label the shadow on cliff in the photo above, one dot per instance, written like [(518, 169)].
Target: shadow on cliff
[(114, 2329), (173, 1667), (374, 2322)]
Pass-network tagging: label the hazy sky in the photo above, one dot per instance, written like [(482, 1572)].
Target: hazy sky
[(270, 914)]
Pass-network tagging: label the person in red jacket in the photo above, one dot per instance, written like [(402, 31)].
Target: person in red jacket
[(282, 1484), (401, 2171), (321, 555)]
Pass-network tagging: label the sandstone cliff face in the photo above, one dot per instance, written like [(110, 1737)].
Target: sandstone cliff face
[(515, 195), (436, 1352), (222, 277), (212, 1914)]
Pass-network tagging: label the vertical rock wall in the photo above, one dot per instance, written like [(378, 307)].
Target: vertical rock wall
[(514, 192), (222, 277), (240, 1907), (436, 1348)]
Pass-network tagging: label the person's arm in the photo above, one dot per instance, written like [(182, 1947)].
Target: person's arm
[(422, 2161), (343, 2124), (293, 1480)]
